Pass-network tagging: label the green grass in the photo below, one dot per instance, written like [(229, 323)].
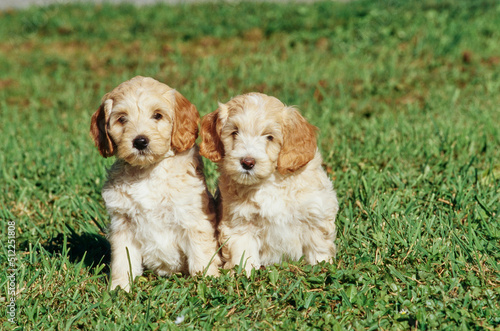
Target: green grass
[(406, 96)]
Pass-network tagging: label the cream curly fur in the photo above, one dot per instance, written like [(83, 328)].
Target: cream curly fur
[(276, 202), (162, 216)]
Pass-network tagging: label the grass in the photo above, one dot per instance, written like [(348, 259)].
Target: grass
[(406, 97)]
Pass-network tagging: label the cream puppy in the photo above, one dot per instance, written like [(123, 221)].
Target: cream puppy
[(162, 216), (276, 201)]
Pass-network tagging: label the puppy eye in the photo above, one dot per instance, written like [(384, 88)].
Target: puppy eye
[(157, 116), (270, 138), (234, 133), (122, 120)]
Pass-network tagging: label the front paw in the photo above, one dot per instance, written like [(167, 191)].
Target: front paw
[(248, 268), (123, 283), (213, 271)]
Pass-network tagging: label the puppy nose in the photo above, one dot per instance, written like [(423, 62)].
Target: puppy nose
[(247, 163), (140, 142)]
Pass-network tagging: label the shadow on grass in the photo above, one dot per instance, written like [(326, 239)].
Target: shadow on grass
[(92, 248)]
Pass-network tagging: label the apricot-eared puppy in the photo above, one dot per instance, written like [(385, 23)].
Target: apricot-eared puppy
[(276, 201), (162, 216)]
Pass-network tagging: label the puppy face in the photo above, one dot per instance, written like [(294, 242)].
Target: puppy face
[(142, 121), (253, 135)]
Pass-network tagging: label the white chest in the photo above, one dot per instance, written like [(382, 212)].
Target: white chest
[(156, 211)]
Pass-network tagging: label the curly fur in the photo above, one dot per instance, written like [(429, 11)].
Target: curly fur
[(276, 201), (162, 216)]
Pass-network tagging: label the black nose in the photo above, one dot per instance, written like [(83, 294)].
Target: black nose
[(140, 142), (247, 163)]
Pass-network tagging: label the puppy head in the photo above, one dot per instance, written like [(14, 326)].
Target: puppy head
[(142, 120), (253, 135)]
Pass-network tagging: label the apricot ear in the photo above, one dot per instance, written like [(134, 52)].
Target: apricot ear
[(185, 126), (299, 142), (99, 130), (211, 146)]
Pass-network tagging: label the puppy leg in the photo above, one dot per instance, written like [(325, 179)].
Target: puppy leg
[(316, 257), (319, 247), (120, 268), (242, 246), (201, 251)]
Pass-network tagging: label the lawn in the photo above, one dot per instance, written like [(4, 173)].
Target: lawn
[(406, 95)]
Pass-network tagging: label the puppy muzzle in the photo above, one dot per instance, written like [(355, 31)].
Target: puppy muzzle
[(247, 163), (140, 143)]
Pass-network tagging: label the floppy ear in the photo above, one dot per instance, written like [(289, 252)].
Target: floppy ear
[(211, 146), (99, 130), (299, 142), (185, 126)]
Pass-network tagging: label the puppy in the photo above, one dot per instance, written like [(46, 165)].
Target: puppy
[(162, 216), (276, 202)]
